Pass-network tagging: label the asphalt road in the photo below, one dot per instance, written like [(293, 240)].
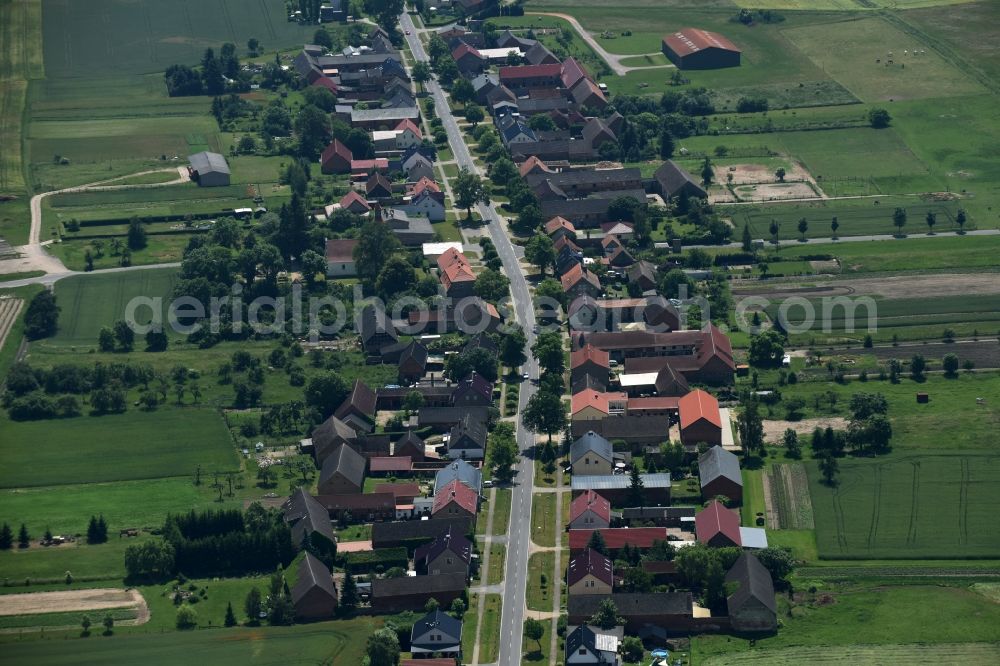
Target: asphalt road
[(515, 578)]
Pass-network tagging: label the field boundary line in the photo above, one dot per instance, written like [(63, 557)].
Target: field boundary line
[(877, 488), (911, 532), (963, 504)]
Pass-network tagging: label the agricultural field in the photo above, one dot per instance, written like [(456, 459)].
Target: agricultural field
[(20, 62), (325, 642), (879, 63), (787, 499), (913, 506), (843, 618)]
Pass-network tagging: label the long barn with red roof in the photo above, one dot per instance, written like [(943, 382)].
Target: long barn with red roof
[(694, 48)]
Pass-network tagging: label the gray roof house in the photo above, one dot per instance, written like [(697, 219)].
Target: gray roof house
[(591, 443), (209, 169), (719, 473), (313, 593), (461, 470), (343, 472), (671, 180), (592, 645), (752, 607), (306, 516), (329, 435), (436, 633)]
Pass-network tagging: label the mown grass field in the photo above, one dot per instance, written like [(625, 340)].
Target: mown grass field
[(335, 642), (543, 519), (501, 511), (876, 623), (912, 254), (538, 596), (850, 54), (916, 506), (171, 441), (489, 632), (88, 303)]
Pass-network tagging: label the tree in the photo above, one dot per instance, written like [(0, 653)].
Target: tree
[(325, 392), (864, 405), (540, 252), (395, 277), (548, 349), (502, 172), (751, 428), (320, 97), (462, 91), (950, 364), (152, 559), (931, 220), (85, 624), (803, 227), (706, 172), (124, 336), (156, 341), (596, 542), (676, 284), (778, 562), (491, 285), (829, 468), (253, 606), (773, 229), (474, 114), (780, 174), (607, 616), (917, 366), (41, 319), (533, 631), (253, 46), (376, 243), (960, 220), (6, 537), (632, 649), (458, 608), (23, 540), (834, 225), (136, 234), (766, 349), (313, 264), (503, 454), (109, 625), (879, 118), (666, 144), (790, 441), (421, 73), (636, 487), (747, 239), (186, 617), (469, 191), (899, 219), (512, 346), (349, 593), (431, 605), (312, 127), (545, 413)]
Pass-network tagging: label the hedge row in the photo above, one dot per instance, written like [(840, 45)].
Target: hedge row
[(365, 562)]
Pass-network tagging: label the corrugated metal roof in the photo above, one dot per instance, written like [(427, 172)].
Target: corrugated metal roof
[(206, 162), (618, 481), (718, 462)]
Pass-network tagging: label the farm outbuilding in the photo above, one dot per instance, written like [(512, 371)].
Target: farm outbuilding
[(209, 169), (693, 48)]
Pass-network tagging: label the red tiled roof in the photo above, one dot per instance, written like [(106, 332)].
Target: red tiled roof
[(714, 519), (596, 399), (657, 402), (353, 197), (589, 562), (716, 343), (563, 241), (577, 273), (449, 257), (389, 464), (617, 537), (341, 251), (698, 405), (590, 500), (589, 353), (367, 165), (456, 492), (529, 164), (326, 82), (367, 502), (557, 223), (336, 148), (464, 49), (692, 40), (407, 124), (425, 183), (571, 72), (399, 489), (529, 71)]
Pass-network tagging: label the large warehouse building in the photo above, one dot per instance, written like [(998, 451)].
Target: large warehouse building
[(693, 48)]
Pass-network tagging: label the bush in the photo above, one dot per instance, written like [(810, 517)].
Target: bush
[(364, 562), (187, 618)]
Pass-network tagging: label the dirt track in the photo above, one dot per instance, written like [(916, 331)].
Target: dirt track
[(75, 600), (774, 430), (902, 286)]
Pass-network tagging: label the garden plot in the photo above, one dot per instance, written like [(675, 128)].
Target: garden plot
[(758, 182)]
